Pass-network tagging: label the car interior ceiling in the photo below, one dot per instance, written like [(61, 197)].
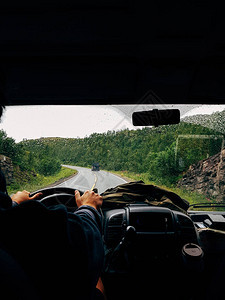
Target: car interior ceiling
[(114, 52)]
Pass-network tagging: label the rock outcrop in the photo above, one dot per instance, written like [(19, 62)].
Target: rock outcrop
[(7, 168), (207, 177)]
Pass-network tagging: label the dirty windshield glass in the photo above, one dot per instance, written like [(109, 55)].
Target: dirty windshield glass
[(42, 146)]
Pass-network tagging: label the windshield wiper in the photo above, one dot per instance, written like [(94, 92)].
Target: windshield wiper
[(200, 205)]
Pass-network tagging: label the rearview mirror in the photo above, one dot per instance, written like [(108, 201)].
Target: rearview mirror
[(156, 117)]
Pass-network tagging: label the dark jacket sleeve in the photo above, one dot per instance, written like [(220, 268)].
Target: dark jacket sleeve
[(5, 201), (2, 183), (91, 223), (88, 212)]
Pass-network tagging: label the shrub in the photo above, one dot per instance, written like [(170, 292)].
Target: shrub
[(49, 166)]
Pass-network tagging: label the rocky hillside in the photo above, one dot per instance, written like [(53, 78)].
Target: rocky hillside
[(207, 177), (7, 168)]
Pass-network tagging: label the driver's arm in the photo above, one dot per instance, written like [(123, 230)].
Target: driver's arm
[(88, 205)]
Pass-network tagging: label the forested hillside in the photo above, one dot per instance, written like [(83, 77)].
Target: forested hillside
[(215, 121), (161, 152), (30, 171)]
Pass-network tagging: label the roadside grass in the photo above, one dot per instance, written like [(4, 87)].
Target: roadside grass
[(39, 181), (191, 197)]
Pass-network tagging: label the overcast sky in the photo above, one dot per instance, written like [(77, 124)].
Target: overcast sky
[(32, 122), (60, 121)]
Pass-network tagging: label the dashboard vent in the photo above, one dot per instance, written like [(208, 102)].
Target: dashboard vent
[(114, 235), (116, 220), (114, 229), (187, 229)]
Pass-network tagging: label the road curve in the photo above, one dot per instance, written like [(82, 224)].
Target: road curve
[(87, 179)]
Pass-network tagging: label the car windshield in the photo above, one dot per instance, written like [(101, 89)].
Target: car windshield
[(43, 145)]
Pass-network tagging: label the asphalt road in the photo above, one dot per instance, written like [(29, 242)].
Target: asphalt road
[(87, 179)]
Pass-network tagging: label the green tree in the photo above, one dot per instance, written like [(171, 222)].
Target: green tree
[(8, 147), (49, 166)]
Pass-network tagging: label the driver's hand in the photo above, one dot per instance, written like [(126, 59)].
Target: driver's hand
[(88, 198), (20, 197)]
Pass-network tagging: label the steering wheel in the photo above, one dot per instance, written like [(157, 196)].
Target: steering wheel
[(58, 195)]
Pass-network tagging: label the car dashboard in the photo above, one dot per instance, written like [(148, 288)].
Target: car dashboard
[(149, 223), (146, 244)]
